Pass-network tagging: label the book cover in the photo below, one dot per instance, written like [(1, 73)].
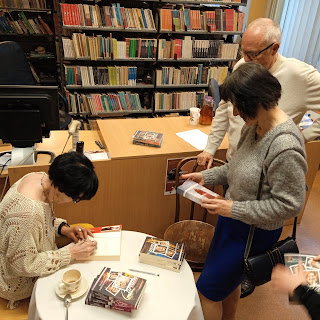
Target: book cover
[(148, 138), (311, 267), (162, 253), (195, 192), (109, 243), (112, 285)]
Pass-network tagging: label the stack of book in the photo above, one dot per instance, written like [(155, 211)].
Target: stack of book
[(116, 290), (162, 253)]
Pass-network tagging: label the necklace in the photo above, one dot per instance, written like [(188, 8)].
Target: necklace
[(51, 204)]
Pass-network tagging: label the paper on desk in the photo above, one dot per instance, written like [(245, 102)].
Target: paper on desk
[(96, 155), (195, 137)]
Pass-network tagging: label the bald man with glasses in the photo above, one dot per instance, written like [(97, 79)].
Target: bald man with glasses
[(300, 84)]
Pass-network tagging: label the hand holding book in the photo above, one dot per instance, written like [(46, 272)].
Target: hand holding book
[(194, 176)]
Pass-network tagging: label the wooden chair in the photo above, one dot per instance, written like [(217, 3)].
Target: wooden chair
[(197, 235)]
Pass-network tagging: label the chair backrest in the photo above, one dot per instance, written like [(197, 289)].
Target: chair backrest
[(14, 67), (196, 235)]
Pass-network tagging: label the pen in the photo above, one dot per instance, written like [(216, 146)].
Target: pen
[(99, 144), (146, 272)]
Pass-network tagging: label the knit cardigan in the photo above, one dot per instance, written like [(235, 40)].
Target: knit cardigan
[(27, 244), (284, 168)]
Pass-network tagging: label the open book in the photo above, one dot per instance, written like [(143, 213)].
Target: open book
[(109, 243), (196, 192)]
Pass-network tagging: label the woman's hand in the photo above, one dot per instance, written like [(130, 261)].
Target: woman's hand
[(284, 281), (83, 249), (195, 176), (75, 233), (218, 206)]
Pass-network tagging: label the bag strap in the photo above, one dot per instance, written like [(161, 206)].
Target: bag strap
[(252, 227)]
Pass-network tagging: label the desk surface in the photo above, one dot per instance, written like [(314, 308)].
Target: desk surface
[(170, 296), (116, 134)]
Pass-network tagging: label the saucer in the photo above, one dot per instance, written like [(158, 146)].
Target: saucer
[(74, 295)]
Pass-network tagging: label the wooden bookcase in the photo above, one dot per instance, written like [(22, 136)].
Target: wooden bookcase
[(99, 84), (26, 25)]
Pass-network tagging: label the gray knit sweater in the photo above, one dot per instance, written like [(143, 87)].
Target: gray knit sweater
[(284, 168)]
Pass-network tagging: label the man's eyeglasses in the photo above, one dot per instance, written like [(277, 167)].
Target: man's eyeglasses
[(252, 55)]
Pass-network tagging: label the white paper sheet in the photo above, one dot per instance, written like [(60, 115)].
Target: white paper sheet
[(195, 137)]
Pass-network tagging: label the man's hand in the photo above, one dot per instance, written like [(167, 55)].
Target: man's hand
[(203, 158), (218, 206), (284, 281)]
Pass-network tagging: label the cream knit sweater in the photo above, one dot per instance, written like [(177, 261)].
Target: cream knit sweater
[(300, 83), (27, 244)]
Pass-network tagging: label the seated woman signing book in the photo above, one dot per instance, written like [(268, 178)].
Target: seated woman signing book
[(28, 226), (271, 148)]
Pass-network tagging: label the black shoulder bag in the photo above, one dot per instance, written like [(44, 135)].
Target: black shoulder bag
[(258, 268)]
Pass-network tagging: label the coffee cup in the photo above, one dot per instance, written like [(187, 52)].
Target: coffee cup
[(70, 281), (194, 116)]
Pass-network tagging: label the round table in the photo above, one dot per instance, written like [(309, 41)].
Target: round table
[(170, 295)]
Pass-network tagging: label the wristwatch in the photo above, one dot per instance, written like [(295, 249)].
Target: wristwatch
[(60, 227)]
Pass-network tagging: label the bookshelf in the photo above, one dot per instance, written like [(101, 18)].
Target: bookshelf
[(31, 24), (121, 58)]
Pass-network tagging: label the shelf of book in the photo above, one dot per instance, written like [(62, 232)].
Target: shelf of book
[(99, 87), (197, 60), (107, 29), (200, 36), (26, 9), (172, 110), (230, 3), (177, 86), (109, 59), (202, 32), (31, 24)]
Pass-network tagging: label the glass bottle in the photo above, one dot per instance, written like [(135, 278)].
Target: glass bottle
[(206, 112)]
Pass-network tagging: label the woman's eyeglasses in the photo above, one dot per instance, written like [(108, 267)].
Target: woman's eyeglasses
[(252, 55), (76, 200)]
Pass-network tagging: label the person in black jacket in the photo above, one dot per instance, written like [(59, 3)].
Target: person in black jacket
[(296, 286)]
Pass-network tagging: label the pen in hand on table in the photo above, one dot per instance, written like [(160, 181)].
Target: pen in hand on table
[(146, 272)]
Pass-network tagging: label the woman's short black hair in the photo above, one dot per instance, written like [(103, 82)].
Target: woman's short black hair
[(248, 87), (73, 174)]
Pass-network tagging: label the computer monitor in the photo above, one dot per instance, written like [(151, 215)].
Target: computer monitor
[(27, 113)]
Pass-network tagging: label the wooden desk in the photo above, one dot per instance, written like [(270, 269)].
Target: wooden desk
[(131, 184)]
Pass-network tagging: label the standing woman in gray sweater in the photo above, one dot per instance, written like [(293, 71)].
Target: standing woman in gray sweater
[(269, 142)]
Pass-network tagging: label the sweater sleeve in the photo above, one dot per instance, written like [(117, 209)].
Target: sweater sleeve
[(313, 102), (24, 253), (311, 300), (286, 178), (216, 175)]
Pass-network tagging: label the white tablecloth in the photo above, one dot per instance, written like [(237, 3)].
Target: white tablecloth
[(170, 296)]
